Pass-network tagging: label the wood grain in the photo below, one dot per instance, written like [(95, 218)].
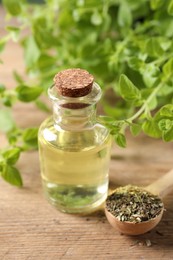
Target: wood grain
[(31, 229)]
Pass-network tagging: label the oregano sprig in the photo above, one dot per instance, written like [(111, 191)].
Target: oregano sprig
[(127, 45)]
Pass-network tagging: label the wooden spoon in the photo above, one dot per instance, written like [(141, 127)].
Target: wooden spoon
[(161, 187)]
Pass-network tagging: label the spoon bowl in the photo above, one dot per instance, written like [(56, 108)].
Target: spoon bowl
[(161, 188), (131, 228)]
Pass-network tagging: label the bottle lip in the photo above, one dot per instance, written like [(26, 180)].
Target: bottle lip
[(90, 99)]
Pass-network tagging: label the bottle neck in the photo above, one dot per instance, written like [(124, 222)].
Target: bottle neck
[(73, 113), (74, 119)]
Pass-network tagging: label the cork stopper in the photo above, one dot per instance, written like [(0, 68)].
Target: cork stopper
[(74, 82)]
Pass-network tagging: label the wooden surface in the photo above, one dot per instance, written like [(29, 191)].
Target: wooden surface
[(32, 229)]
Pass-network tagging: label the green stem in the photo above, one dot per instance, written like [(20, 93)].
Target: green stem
[(162, 59), (144, 106)]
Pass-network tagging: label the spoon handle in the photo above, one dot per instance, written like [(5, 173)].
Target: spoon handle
[(163, 185)]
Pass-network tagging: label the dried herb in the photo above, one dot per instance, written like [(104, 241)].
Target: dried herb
[(146, 242), (133, 204)]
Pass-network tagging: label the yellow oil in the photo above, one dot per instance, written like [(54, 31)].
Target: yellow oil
[(74, 166)]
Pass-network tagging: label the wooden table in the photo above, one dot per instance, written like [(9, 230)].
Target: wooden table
[(32, 229)]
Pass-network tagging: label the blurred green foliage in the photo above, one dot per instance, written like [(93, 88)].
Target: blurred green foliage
[(126, 45)]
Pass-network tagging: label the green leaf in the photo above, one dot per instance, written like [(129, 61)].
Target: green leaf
[(13, 136), (31, 51), (152, 104), (13, 6), (42, 32), (27, 94), (151, 128), (12, 155), (6, 120), (135, 129), (2, 88), (165, 124), (96, 18), (166, 111), (150, 74), (12, 175), (46, 62), (30, 136), (105, 119), (165, 91), (153, 47), (2, 43), (120, 140), (168, 68), (12, 139), (170, 7), (42, 106), (128, 90), (135, 63), (155, 4), (14, 31), (168, 135), (76, 15), (115, 128), (124, 15), (102, 153), (116, 113), (18, 77), (7, 101), (165, 44)]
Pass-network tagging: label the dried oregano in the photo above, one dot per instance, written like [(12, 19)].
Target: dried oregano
[(133, 204)]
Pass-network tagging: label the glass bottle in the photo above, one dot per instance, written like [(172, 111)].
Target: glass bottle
[(74, 153)]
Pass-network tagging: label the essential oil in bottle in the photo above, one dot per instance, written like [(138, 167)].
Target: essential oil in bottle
[(74, 149)]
